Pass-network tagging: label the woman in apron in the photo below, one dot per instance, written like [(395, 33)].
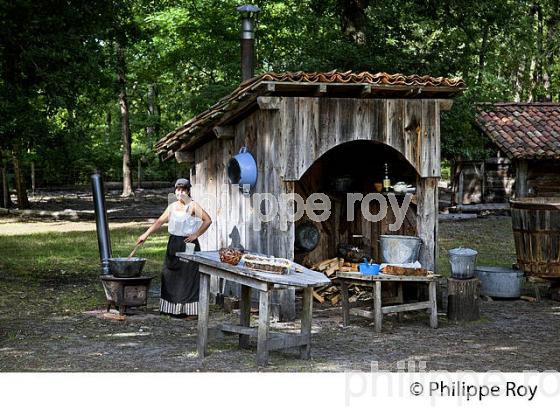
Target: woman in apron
[(180, 280)]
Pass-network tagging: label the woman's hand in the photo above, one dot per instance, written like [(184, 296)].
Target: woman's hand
[(191, 238), (141, 239)]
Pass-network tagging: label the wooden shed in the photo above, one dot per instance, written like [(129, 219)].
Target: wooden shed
[(528, 136), (306, 130)]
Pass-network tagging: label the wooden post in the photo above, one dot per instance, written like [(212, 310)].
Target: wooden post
[(426, 220), (306, 315), (378, 314), (264, 322), (245, 314), (203, 313), (463, 299), (433, 304), (345, 303)]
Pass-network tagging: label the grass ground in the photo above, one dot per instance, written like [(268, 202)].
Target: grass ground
[(29, 249), (71, 247)]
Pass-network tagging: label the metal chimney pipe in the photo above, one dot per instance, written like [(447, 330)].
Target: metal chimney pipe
[(248, 15), (101, 224)]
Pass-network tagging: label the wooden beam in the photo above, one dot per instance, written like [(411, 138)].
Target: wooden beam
[(269, 103), (184, 157), (521, 172), (224, 132), (426, 220), (366, 91)]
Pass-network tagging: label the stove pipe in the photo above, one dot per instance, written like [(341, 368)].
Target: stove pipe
[(101, 224), (248, 15)]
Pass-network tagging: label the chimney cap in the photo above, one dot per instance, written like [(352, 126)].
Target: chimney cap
[(248, 8)]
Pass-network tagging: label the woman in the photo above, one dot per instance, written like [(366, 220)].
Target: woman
[(180, 280)]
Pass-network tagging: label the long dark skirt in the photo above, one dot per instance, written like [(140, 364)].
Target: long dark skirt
[(179, 280)]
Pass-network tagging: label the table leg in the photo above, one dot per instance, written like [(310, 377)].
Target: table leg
[(377, 313), (345, 303), (265, 298), (306, 315), (400, 300), (245, 314), (203, 310), (433, 303)]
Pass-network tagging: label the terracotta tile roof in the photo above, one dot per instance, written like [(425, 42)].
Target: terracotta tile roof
[(364, 78), (522, 131), (336, 84)]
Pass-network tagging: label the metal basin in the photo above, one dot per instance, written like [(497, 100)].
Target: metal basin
[(126, 267), (499, 282), (400, 248)]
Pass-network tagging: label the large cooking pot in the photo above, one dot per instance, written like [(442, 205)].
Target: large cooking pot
[(242, 168), (126, 267), (307, 237)]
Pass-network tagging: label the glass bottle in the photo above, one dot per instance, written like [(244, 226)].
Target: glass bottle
[(386, 180)]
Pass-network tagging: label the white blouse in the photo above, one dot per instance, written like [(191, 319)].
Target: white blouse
[(181, 222)]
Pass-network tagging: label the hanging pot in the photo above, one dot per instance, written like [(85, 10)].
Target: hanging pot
[(307, 237), (242, 168)]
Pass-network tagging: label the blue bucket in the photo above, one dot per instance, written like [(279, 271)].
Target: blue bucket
[(369, 269), (242, 168)]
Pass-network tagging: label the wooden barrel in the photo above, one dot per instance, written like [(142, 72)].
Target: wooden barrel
[(536, 231)]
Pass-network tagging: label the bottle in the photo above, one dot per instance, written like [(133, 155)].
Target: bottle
[(386, 180)]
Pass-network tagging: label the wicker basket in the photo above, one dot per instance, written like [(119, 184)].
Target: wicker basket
[(279, 266), (230, 255)]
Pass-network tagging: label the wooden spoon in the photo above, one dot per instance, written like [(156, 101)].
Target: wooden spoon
[(134, 251)]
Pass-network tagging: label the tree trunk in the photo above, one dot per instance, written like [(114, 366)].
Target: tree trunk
[(538, 71), (108, 127), (354, 19), (22, 200), (125, 122), (482, 54), (552, 46), (5, 201), (152, 129), (463, 299)]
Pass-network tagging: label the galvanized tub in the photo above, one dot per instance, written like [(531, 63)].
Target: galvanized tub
[(499, 282), (463, 262), (399, 248)]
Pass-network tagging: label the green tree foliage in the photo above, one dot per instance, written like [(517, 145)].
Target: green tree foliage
[(58, 90)]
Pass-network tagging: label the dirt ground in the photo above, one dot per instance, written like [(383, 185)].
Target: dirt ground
[(52, 319), (38, 334)]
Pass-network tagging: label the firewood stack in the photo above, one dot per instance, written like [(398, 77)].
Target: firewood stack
[(331, 293)]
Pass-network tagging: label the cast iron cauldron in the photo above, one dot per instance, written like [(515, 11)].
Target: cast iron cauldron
[(126, 267)]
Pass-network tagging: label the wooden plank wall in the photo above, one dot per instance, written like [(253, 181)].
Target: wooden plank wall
[(312, 126), (287, 141), (231, 211)]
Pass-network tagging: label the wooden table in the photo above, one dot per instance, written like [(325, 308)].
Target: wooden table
[(264, 283), (344, 279)]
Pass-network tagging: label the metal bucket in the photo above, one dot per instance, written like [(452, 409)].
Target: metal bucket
[(400, 248), (463, 262), (499, 282)]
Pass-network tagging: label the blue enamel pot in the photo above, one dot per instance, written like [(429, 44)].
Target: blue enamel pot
[(242, 168)]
